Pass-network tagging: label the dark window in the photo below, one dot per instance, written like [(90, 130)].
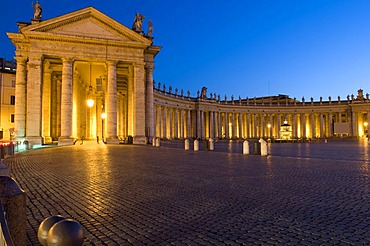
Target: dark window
[(12, 100), (12, 118)]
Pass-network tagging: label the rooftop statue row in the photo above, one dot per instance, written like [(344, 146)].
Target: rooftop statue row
[(137, 26), (272, 100)]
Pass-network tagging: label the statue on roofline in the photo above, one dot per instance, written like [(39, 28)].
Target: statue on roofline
[(138, 23), (204, 92), (37, 11), (150, 29)]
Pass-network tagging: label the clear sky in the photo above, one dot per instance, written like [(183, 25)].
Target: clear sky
[(244, 48)]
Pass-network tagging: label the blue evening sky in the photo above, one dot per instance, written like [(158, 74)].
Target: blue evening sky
[(250, 48)]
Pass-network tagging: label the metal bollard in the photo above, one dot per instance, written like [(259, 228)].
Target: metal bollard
[(66, 232), (158, 142), (263, 147), (153, 142), (187, 144), (245, 147), (44, 228), (196, 145)]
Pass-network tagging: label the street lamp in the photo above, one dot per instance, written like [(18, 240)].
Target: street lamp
[(365, 125), (269, 127), (103, 116)]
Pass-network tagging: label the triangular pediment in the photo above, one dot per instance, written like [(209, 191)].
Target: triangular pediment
[(86, 23)]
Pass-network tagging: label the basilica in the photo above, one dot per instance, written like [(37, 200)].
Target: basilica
[(84, 75)]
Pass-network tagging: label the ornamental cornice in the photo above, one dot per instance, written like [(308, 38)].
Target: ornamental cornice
[(81, 40)]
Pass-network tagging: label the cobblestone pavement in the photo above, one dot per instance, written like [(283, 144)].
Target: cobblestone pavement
[(301, 194)]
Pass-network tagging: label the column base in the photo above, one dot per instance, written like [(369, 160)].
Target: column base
[(140, 140), (34, 142), (48, 140), (112, 140), (64, 141)]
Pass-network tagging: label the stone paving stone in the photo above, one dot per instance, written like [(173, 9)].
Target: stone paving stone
[(301, 194)]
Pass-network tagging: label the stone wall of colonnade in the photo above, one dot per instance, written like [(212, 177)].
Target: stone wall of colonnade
[(202, 117)]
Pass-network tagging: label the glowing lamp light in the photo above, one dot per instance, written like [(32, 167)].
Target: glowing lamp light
[(268, 125), (365, 123), (103, 115), (90, 102)]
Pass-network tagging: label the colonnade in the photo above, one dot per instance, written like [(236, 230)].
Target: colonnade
[(178, 118)]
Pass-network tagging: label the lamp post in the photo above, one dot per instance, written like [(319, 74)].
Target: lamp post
[(269, 127), (103, 116), (365, 125)]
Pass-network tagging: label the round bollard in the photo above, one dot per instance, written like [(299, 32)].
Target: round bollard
[(158, 142), (196, 145), (44, 228), (66, 232), (187, 144), (263, 147), (211, 144), (245, 147), (153, 141)]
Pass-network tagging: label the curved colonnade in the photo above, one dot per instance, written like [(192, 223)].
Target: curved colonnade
[(180, 117)]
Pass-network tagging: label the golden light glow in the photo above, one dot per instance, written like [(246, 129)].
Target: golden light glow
[(90, 102), (268, 125), (103, 115), (365, 123)]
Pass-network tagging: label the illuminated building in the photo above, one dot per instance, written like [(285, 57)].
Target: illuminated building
[(7, 96), (85, 55)]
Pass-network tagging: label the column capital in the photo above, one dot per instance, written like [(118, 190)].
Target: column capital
[(112, 63), (20, 59), (67, 60)]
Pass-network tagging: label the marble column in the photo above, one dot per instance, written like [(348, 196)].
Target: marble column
[(165, 122), (33, 118), (240, 124), (248, 125), (176, 135), (303, 125), (295, 124), (255, 126), (138, 104), (211, 124), (278, 121), (111, 104), (188, 124), (182, 119), (20, 95), (322, 126), (202, 124), (66, 103), (170, 114), (159, 121), (354, 124), (198, 125), (313, 133), (330, 134), (46, 91), (149, 119), (226, 122)]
